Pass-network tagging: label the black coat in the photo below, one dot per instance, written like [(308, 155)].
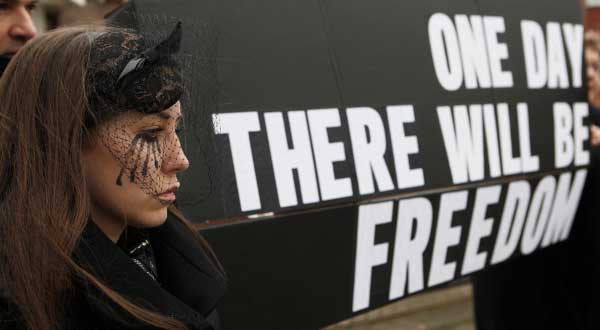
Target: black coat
[(555, 288), (188, 286)]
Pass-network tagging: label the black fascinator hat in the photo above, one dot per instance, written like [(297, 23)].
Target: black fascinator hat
[(127, 74)]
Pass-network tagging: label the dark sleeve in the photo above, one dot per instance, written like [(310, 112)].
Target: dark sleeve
[(10, 317), (555, 288), (594, 115)]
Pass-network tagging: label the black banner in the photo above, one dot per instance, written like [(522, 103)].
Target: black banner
[(317, 268), (354, 152)]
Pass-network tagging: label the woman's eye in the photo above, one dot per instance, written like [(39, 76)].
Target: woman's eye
[(150, 135)]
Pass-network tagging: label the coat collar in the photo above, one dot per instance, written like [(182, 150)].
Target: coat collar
[(188, 289)]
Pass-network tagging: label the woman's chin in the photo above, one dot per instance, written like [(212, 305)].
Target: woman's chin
[(151, 218)]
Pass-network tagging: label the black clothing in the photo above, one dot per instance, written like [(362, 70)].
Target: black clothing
[(594, 115), (554, 288), (4, 60), (136, 243), (188, 288), (529, 293)]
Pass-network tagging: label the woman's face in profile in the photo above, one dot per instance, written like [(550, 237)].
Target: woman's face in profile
[(131, 164)]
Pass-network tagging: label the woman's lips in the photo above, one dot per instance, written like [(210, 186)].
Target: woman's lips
[(167, 196)]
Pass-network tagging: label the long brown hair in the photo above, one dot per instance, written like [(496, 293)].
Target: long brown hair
[(44, 201)]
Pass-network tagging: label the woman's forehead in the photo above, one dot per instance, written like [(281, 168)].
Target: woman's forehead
[(133, 118), (172, 112)]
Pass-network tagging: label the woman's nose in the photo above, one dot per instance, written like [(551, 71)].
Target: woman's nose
[(175, 160)]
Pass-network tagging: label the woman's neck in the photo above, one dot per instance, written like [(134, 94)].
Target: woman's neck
[(110, 225)]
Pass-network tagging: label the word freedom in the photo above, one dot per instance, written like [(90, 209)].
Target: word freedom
[(532, 217)]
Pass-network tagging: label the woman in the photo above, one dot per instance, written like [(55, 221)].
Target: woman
[(89, 157)]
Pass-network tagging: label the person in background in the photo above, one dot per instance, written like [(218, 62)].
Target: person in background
[(16, 28), (592, 60)]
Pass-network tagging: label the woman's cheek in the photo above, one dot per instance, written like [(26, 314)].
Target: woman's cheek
[(126, 201), (138, 208)]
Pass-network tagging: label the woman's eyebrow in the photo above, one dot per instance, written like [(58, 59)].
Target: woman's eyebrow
[(165, 115)]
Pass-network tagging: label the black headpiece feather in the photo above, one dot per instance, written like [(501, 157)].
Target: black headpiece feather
[(166, 48), (125, 74)]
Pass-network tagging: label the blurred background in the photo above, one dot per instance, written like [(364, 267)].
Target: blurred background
[(54, 13)]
